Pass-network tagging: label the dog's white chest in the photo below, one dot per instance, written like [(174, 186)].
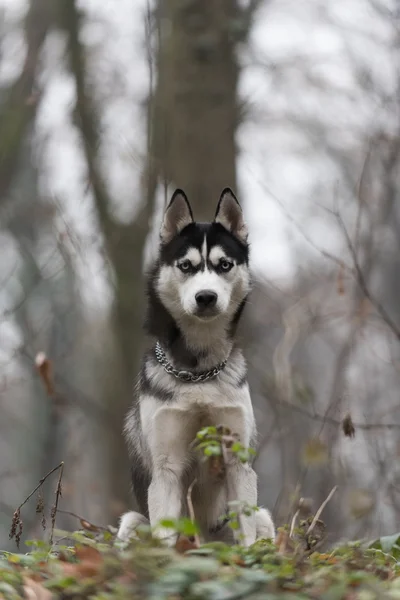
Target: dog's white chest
[(174, 424), (207, 395)]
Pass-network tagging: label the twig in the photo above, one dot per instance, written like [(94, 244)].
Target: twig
[(360, 278), (293, 523), (84, 522), (55, 507), (359, 275), (332, 421), (361, 196), (321, 508), (41, 482), (17, 524), (191, 509), (325, 253), (229, 491)]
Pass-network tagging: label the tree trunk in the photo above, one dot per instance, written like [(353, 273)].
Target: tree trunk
[(124, 246), (195, 112)]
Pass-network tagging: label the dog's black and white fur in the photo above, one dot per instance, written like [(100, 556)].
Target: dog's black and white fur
[(196, 294)]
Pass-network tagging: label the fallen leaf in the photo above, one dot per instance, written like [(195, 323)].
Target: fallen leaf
[(238, 560), (78, 570), (348, 426), (43, 366), (184, 543), (88, 553), (89, 526), (89, 565), (35, 591)]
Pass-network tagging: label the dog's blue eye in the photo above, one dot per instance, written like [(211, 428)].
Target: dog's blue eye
[(185, 266), (225, 265)]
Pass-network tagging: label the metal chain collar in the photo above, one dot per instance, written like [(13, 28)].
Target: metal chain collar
[(186, 376)]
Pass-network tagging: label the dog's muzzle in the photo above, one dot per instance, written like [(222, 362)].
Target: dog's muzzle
[(206, 303)]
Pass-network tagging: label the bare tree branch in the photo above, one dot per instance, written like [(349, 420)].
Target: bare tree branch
[(20, 105)]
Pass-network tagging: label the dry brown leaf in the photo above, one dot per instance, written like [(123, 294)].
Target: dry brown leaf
[(91, 562), (238, 560), (348, 426), (89, 526), (88, 553), (83, 569), (183, 544), (35, 591), (43, 366)]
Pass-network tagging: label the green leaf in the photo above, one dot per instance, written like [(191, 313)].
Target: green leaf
[(212, 451), (199, 565), (243, 456), (236, 447), (168, 523), (389, 541), (187, 527), (205, 432), (63, 583)]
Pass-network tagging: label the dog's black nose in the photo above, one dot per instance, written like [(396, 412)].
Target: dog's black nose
[(206, 299)]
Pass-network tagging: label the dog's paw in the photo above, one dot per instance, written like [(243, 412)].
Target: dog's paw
[(167, 536), (128, 524), (264, 525)]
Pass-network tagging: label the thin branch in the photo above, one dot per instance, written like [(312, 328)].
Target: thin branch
[(321, 508), (335, 259), (84, 522), (293, 523), (361, 197), (332, 421), (359, 275), (41, 482), (191, 509), (229, 491), (17, 523), (55, 507), (21, 101), (85, 109), (362, 281)]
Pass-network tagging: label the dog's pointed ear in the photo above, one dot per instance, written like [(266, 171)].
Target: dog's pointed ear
[(177, 215), (230, 215)]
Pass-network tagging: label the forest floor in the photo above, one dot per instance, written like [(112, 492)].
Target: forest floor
[(90, 564)]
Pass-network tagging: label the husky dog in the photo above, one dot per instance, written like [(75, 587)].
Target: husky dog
[(195, 376)]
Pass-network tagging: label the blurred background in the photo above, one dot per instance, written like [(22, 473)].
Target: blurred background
[(105, 108)]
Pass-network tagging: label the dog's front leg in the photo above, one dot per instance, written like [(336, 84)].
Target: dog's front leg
[(241, 478), (169, 445), (165, 498), (242, 486)]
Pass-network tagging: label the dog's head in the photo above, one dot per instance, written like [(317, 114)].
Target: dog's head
[(203, 268)]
